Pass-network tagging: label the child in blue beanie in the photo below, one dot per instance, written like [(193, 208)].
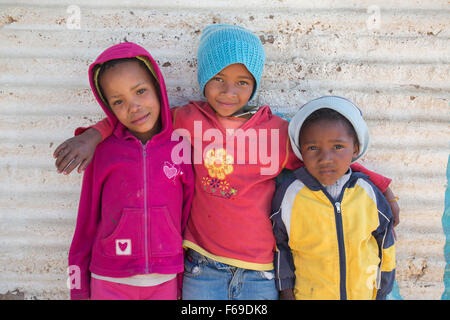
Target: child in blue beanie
[(224, 45), (237, 151)]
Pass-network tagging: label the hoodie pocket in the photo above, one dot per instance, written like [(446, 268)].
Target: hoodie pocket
[(126, 239), (166, 239)]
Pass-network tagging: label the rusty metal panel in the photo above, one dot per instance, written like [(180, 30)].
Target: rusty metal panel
[(392, 59)]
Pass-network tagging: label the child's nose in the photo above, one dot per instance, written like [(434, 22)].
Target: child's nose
[(229, 89), (326, 156), (134, 107)]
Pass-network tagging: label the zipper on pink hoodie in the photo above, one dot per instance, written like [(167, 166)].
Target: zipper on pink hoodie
[(145, 208)]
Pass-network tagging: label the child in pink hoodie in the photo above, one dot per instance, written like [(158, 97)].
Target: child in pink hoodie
[(237, 152), (134, 200)]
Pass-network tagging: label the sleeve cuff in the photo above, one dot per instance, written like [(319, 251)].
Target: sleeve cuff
[(80, 130), (385, 185), (283, 284)]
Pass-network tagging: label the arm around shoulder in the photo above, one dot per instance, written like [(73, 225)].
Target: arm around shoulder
[(378, 180), (79, 150), (103, 127)]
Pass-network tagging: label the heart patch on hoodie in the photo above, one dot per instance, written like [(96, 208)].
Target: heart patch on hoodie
[(170, 170), (123, 247)]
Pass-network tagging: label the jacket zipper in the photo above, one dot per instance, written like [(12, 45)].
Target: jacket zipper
[(145, 209), (340, 238), (341, 246)]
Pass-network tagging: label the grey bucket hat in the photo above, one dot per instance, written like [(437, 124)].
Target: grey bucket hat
[(344, 106)]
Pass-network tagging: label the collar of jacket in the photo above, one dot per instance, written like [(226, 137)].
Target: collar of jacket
[(247, 110), (312, 183), (122, 133), (262, 113)]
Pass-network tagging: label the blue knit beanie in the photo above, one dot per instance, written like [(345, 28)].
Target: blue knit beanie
[(222, 45)]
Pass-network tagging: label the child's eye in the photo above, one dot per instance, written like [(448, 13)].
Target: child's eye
[(312, 148), (141, 91), (339, 146), (218, 79), (117, 102), (243, 83)]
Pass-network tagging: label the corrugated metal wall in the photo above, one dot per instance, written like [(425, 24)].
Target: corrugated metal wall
[(391, 59)]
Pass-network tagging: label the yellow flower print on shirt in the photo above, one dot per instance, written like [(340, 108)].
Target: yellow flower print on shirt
[(218, 163)]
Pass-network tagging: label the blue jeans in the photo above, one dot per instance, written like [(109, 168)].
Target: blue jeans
[(206, 279)]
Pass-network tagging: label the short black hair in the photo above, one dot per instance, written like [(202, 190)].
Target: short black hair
[(331, 115)]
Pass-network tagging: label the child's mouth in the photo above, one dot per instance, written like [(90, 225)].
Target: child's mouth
[(226, 104), (327, 172), (141, 120)]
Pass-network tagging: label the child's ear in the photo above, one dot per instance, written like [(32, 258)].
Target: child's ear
[(355, 150)]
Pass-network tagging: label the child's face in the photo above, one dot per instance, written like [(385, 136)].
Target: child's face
[(230, 89), (327, 149), (131, 94)]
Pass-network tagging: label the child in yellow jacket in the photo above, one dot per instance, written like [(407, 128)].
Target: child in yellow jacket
[(333, 227)]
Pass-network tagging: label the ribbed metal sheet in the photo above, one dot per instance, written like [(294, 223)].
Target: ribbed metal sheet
[(395, 68)]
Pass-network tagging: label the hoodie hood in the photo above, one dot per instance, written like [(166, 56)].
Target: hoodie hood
[(344, 106), (132, 50)]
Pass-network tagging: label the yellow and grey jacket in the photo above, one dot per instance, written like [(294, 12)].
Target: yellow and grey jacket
[(329, 247)]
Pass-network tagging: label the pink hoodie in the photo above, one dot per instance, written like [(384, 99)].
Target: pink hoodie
[(134, 200)]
